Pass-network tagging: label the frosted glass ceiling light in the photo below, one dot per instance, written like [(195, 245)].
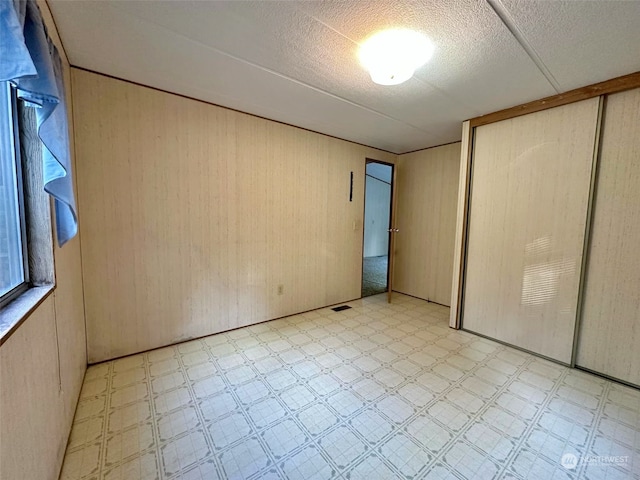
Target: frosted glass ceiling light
[(392, 56)]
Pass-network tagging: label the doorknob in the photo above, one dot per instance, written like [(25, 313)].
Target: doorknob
[(393, 230)]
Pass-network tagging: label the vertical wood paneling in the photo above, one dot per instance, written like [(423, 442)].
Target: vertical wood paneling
[(609, 337), (33, 430), (69, 297), (426, 217), (530, 190), (193, 215), (42, 364)]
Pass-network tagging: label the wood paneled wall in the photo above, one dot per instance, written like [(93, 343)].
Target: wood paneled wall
[(35, 425), (609, 340), (427, 197), (42, 364), (193, 215), (529, 199)]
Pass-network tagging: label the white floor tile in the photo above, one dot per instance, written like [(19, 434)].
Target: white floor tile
[(375, 392)]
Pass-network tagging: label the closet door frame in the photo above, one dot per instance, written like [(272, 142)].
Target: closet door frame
[(602, 89)]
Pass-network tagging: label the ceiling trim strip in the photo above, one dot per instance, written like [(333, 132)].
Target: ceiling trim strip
[(428, 148)]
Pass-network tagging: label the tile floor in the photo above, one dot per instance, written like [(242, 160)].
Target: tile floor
[(376, 392)]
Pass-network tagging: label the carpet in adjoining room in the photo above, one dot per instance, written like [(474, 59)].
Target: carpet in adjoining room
[(374, 275)]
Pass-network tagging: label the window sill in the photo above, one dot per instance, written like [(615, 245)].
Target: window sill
[(16, 312)]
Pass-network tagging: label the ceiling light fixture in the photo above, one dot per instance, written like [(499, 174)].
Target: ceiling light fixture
[(392, 56)]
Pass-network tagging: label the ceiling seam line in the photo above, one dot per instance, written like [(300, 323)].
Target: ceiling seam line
[(435, 87), (445, 94), (505, 16), (273, 72)]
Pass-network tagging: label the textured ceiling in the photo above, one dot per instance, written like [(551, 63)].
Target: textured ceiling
[(296, 61)]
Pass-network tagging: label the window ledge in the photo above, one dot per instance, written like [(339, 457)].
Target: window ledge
[(16, 312)]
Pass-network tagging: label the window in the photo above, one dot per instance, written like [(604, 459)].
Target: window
[(14, 272)]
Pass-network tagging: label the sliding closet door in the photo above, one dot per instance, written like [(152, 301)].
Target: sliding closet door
[(530, 189), (609, 338)]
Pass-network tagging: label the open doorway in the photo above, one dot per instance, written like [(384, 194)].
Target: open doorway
[(377, 225)]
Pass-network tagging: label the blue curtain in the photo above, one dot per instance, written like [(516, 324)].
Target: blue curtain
[(31, 62)]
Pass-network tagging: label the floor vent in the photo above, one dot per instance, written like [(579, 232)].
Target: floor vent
[(340, 308)]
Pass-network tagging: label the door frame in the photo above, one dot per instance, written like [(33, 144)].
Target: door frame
[(392, 208)]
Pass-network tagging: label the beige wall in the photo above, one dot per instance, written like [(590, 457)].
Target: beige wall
[(42, 366), (193, 215), (427, 197)]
